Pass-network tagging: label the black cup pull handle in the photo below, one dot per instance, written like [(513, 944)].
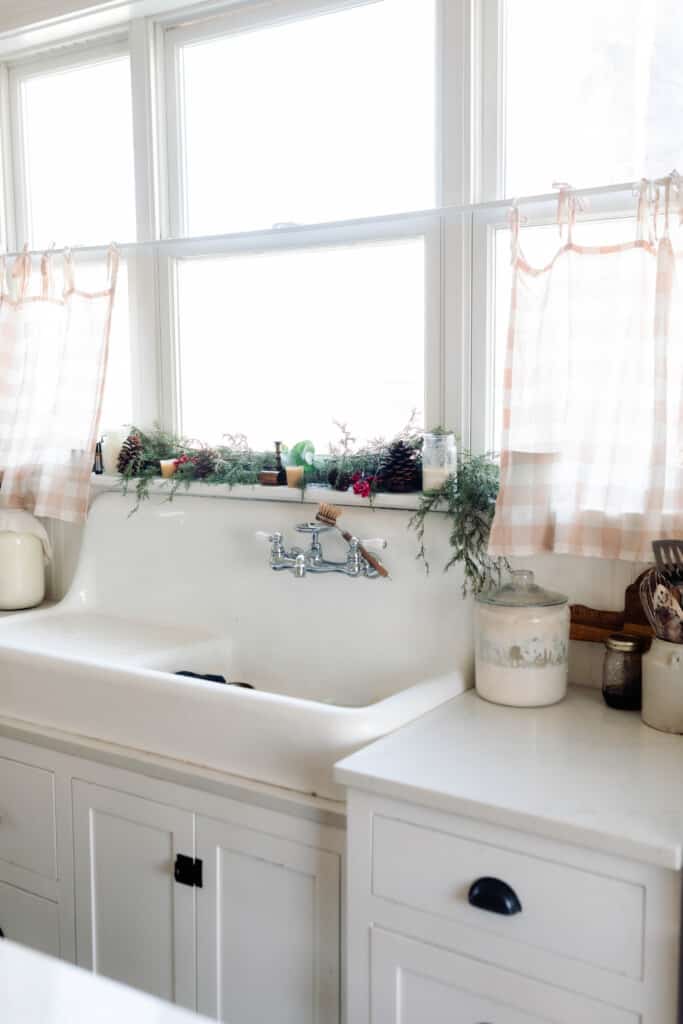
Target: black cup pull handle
[(493, 895)]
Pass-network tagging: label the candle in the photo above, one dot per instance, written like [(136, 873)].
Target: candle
[(434, 477), (168, 467), (111, 447), (295, 476)]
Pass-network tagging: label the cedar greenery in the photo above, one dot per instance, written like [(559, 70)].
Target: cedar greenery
[(468, 498)]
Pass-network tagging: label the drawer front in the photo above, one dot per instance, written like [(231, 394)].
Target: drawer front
[(574, 913), (415, 983), (27, 818), (30, 920)]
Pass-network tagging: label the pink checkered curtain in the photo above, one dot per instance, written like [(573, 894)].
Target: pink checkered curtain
[(53, 357), (592, 453)]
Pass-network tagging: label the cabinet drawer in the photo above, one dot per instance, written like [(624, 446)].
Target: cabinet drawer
[(565, 910), (30, 920), (415, 983), (27, 817)]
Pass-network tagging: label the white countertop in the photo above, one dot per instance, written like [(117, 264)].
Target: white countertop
[(36, 989), (578, 772)]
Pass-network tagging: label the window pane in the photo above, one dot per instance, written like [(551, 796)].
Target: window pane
[(594, 92), (78, 155), (325, 118), (277, 345)]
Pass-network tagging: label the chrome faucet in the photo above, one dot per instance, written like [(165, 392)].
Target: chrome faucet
[(301, 562)]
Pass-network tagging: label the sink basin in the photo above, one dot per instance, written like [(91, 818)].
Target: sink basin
[(335, 662)]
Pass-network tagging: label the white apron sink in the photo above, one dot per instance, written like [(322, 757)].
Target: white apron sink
[(335, 662)]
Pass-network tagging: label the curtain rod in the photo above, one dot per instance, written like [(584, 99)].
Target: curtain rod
[(309, 229)]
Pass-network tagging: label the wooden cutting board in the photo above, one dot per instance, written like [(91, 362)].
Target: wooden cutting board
[(595, 625)]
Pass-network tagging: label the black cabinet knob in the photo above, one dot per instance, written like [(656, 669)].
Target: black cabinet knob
[(493, 895)]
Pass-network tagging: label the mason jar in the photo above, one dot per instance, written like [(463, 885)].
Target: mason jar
[(439, 460)]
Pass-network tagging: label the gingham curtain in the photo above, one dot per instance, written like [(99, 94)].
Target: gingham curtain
[(53, 356), (592, 452)]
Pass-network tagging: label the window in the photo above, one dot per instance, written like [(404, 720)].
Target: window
[(75, 153), (303, 118), (280, 152), (279, 344), (74, 178), (593, 93), (304, 113)]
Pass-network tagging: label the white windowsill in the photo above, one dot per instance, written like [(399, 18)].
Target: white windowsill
[(247, 492)]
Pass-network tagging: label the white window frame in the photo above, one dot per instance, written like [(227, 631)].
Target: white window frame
[(446, 398), (20, 72), (469, 168)]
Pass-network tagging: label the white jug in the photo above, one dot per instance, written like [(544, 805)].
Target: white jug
[(663, 686)]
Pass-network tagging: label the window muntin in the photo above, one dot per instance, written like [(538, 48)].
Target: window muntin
[(75, 167), (593, 95), (318, 118), (279, 344)]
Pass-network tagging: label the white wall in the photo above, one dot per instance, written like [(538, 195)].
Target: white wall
[(19, 13)]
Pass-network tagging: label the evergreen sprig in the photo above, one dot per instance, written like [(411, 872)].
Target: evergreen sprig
[(468, 499)]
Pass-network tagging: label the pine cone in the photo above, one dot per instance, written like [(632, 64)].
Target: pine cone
[(399, 469), (131, 456)]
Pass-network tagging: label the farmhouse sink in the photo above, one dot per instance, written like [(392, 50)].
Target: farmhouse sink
[(185, 586)]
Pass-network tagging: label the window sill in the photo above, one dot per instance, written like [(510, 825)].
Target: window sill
[(313, 495)]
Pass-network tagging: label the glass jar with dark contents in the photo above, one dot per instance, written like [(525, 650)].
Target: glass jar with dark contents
[(622, 671)]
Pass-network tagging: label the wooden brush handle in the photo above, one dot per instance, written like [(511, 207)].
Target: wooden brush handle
[(367, 555)]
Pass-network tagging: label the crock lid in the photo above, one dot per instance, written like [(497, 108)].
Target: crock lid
[(521, 592)]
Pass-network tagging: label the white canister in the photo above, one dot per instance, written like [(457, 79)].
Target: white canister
[(663, 686), (22, 570), (522, 644)]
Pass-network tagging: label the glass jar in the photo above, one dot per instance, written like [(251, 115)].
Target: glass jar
[(439, 460), (522, 644), (622, 672)]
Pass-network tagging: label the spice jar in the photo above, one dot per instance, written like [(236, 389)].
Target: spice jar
[(622, 672)]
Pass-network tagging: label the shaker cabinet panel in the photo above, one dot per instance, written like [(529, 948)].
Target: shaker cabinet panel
[(28, 919), (432, 870), (134, 923), (415, 983), (268, 927), (27, 818)]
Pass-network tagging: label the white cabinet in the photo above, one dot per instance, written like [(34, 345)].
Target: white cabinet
[(264, 908), (28, 919), (415, 983), (267, 928), (456, 921), (248, 930), (134, 923)]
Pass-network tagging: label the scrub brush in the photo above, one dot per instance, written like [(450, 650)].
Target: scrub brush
[(328, 514)]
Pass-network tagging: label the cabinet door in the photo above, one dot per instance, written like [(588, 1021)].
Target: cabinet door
[(28, 919), (268, 922), (134, 923), (415, 983)]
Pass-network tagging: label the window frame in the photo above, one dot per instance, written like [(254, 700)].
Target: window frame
[(21, 71), (446, 399)]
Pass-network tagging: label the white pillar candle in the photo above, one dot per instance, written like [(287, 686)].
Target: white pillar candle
[(434, 477), (111, 447)]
